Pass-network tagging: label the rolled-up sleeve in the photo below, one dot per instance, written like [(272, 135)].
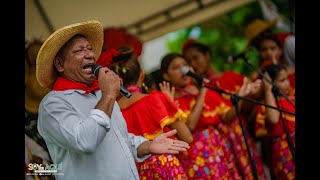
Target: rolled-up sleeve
[(135, 142), (69, 129), (101, 118)]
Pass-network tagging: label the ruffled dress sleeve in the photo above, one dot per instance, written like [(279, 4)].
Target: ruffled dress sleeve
[(150, 116)]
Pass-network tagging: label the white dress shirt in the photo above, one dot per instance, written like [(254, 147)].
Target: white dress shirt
[(89, 144)]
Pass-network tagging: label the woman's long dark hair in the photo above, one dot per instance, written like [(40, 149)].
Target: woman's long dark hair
[(126, 66)]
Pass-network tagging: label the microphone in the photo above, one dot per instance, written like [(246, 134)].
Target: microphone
[(202, 81), (232, 59), (186, 71), (123, 90)]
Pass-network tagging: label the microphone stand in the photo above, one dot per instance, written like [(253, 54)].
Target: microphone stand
[(235, 99), (219, 90), (262, 75), (290, 143), (276, 92)]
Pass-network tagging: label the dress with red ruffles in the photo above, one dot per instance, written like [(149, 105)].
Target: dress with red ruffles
[(231, 83), (260, 126), (292, 80), (149, 117), (208, 156), (238, 146), (282, 161)]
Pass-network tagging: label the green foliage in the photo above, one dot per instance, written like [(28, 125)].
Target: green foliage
[(175, 39), (225, 36)]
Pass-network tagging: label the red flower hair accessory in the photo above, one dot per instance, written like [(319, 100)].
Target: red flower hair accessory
[(105, 59), (188, 42)]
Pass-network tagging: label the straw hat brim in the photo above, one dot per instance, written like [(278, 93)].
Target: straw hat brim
[(91, 30), (32, 52), (33, 92), (257, 27), (26, 72)]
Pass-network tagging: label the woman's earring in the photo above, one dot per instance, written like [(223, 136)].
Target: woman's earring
[(145, 87)]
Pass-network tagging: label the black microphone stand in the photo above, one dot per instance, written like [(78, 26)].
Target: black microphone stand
[(235, 99), (276, 92), (269, 81), (219, 90), (290, 143)]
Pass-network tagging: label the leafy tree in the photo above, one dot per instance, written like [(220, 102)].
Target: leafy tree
[(225, 36)]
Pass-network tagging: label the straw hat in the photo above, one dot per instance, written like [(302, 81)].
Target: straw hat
[(92, 30), (33, 91), (256, 27), (31, 51)]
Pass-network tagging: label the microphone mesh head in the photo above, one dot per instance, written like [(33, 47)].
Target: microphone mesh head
[(185, 70), (95, 69)]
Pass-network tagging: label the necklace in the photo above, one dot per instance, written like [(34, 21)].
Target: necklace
[(134, 89)]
